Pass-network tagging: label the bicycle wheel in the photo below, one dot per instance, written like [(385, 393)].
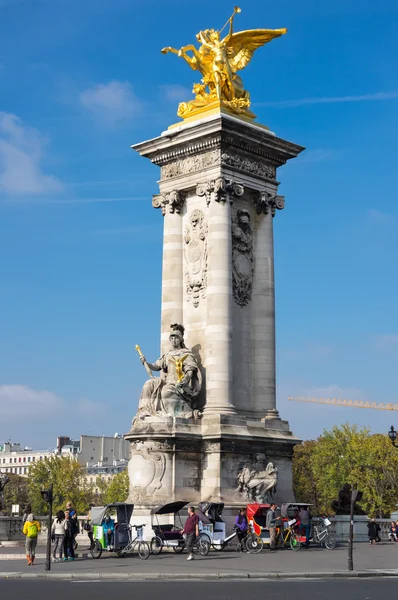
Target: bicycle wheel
[(203, 545), (330, 542), (143, 550), (295, 541), (254, 544), (96, 550), (178, 549), (156, 545)]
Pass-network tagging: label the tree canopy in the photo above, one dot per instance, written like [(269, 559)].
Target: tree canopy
[(68, 479), (347, 454)]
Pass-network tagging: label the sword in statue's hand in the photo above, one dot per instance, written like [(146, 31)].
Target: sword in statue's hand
[(148, 370)]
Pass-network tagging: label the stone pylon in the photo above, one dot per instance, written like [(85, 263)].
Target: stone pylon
[(218, 196)]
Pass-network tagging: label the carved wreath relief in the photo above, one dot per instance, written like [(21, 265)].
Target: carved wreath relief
[(242, 258), (195, 239)]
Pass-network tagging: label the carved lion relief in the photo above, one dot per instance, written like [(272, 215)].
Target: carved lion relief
[(195, 239), (242, 258)]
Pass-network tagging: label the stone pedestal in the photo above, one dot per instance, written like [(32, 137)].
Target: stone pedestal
[(218, 196)]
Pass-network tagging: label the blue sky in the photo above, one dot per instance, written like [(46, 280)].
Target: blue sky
[(80, 274)]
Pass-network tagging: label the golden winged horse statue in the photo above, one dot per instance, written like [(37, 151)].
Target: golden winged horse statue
[(218, 60)]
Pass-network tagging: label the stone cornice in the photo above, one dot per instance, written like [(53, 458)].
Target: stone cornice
[(220, 132)]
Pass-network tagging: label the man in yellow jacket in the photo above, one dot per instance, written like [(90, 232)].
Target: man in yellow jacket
[(31, 529)]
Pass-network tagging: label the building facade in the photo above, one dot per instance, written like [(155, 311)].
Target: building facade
[(92, 452)]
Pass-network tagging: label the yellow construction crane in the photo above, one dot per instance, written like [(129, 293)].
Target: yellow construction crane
[(341, 402)]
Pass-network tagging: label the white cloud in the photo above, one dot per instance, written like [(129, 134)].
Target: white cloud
[(387, 342), (111, 102), (175, 91), (331, 99), (20, 402), (21, 153)]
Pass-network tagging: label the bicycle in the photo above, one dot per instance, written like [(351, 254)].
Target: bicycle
[(321, 534), (143, 547), (285, 537)]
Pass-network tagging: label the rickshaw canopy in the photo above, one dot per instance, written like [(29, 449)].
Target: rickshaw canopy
[(171, 508), (123, 511), (255, 509)]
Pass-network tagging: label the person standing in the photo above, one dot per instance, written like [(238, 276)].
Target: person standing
[(241, 526), (270, 523), (373, 531), (69, 552), (31, 529), (191, 531), (305, 524), (58, 533)]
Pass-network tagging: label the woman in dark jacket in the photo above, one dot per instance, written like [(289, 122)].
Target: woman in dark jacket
[(373, 531)]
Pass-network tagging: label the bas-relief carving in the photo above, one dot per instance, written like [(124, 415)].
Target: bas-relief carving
[(190, 164), (174, 393), (205, 160), (146, 471), (242, 258), (265, 202), (256, 482), (254, 167), (195, 239)]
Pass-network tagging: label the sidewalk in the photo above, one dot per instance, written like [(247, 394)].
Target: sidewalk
[(369, 561)]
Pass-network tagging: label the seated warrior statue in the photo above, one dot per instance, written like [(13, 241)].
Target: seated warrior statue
[(174, 393)]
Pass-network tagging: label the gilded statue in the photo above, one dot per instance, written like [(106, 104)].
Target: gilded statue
[(218, 60), (174, 393)]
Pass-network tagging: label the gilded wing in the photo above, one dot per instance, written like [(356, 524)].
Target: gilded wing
[(242, 45)]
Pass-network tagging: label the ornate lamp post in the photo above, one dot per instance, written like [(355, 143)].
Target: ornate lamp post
[(392, 434)]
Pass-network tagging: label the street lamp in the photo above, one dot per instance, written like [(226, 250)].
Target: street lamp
[(392, 434)]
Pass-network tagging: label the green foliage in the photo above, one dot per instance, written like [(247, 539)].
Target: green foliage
[(347, 454), (118, 489), (68, 479), (304, 484), (115, 490), (15, 492)]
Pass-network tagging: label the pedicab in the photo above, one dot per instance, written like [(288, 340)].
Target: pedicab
[(259, 535), (112, 531), (213, 526), (169, 535)]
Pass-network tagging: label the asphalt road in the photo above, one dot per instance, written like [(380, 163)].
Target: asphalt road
[(369, 589)]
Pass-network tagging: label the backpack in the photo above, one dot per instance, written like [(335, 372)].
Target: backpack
[(32, 530)]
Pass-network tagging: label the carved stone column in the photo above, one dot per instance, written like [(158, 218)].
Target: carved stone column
[(219, 297), (263, 331), (172, 265)]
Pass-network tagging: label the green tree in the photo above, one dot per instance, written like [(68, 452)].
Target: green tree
[(337, 459), (16, 492), (347, 454), (304, 483), (118, 488), (68, 479)]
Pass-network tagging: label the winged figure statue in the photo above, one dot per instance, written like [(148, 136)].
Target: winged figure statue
[(218, 60)]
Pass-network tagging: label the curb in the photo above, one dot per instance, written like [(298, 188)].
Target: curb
[(80, 556), (197, 576)]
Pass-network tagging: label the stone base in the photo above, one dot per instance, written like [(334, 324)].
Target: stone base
[(199, 460)]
